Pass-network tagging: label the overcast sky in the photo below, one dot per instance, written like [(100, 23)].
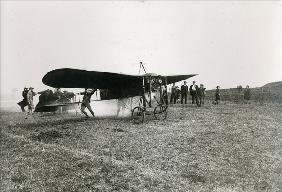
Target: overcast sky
[(226, 43)]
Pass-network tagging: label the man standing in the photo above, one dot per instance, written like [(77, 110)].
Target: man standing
[(193, 92), (177, 93), (30, 95), (184, 92), (201, 94), (24, 102), (87, 94), (217, 95), (247, 93), (173, 94)]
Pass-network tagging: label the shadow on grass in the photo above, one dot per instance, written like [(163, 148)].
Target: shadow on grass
[(54, 122)]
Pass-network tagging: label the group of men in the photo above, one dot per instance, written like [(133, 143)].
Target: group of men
[(197, 93), (28, 95)]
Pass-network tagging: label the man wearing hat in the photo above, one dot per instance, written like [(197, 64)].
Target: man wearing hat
[(30, 95), (24, 102), (184, 92), (201, 93), (247, 93), (87, 94), (193, 92)]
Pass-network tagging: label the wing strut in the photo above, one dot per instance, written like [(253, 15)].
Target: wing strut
[(141, 65)]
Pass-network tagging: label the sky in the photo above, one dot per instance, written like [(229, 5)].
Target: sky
[(227, 43)]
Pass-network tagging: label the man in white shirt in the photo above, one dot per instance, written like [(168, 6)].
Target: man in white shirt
[(30, 95), (193, 92)]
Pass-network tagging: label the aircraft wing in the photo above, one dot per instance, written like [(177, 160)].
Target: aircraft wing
[(75, 78), (175, 78), (118, 85)]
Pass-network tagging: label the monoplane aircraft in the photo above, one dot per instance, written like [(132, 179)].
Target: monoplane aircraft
[(118, 86)]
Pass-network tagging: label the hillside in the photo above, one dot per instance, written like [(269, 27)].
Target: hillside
[(271, 92), (274, 84)]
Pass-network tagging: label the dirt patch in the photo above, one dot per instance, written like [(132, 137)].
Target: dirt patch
[(47, 136), (18, 178), (118, 130), (194, 177)]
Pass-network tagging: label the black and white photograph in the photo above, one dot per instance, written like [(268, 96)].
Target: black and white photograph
[(141, 95)]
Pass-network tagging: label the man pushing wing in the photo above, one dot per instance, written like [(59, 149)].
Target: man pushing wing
[(87, 94)]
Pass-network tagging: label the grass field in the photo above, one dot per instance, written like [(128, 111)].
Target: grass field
[(229, 147)]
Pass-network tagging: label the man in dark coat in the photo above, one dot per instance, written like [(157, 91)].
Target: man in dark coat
[(201, 94), (164, 95), (193, 92), (184, 92), (247, 93), (173, 95), (217, 95), (24, 102)]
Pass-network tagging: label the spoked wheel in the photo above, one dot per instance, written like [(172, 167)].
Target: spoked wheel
[(138, 115), (160, 112)]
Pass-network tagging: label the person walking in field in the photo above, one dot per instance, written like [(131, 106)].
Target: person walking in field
[(217, 95), (30, 95), (87, 94)]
